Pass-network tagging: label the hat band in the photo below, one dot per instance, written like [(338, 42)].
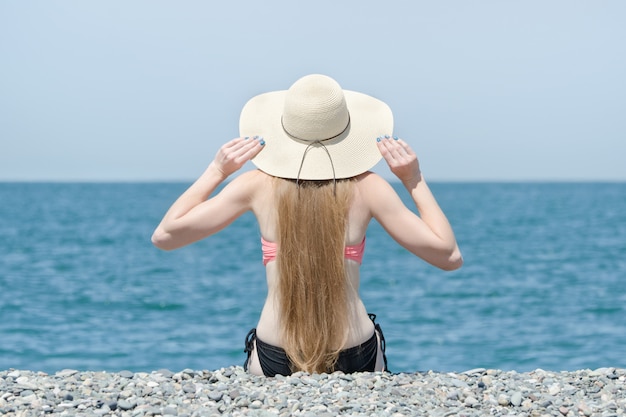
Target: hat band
[(314, 140)]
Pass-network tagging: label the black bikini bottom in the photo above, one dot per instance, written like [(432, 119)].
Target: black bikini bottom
[(361, 358)]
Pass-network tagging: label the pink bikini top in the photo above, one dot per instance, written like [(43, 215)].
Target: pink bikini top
[(354, 252)]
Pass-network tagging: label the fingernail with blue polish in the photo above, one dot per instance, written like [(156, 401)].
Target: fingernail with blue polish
[(386, 136), (395, 138), (247, 137), (378, 139), (262, 142)]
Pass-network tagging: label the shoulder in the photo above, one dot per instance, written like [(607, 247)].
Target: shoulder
[(370, 182), (256, 187), (377, 194), (247, 186), (251, 180)]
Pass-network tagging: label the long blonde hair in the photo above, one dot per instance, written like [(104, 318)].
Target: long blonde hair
[(312, 222)]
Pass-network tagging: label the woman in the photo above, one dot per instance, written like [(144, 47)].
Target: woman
[(313, 197)]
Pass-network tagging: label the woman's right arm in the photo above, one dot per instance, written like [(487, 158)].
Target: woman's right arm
[(194, 215), (428, 235)]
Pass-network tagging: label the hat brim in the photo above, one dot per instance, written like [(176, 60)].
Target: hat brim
[(353, 152)]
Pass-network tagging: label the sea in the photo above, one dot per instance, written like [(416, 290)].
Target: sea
[(82, 287)]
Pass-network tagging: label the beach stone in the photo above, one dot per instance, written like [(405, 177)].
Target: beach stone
[(217, 396), (170, 410), (22, 380), (545, 403), (65, 373), (165, 373), (453, 395), (310, 381), (475, 371), (26, 393), (503, 400), (102, 411), (127, 374), (126, 405), (584, 409), (516, 398), (470, 401), (554, 389), (256, 405)]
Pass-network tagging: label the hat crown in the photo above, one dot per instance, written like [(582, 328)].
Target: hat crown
[(315, 109)]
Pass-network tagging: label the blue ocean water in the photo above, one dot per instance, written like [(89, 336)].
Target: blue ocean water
[(81, 286)]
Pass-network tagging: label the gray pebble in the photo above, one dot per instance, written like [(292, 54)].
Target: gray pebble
[(126, 374), (166, 373), (217, 396), (189, 388), (470, 401), (475, 371), (101, 411), (256, 405), (452, 395), (66, 373), (26, 393), (170, 410), (126, 405)]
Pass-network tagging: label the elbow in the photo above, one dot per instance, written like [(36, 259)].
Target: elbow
[(449, 259), (453, 264), (454, 261), (162, 240), (445, 258)]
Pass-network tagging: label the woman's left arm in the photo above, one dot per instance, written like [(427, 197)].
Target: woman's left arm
[(193, 217)]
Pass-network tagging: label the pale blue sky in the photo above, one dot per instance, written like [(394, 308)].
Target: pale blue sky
[(148, 90)]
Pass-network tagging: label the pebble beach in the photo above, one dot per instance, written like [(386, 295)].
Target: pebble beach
[(232, 391)]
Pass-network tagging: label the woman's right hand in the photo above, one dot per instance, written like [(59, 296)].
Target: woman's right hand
[(401, 159), (234, 154)]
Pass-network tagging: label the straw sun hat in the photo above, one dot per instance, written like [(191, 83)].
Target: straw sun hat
[(315, 130)]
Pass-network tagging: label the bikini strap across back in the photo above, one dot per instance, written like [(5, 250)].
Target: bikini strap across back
[(353, 252)]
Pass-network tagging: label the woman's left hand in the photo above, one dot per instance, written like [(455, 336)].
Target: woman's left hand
[(234, 154)]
